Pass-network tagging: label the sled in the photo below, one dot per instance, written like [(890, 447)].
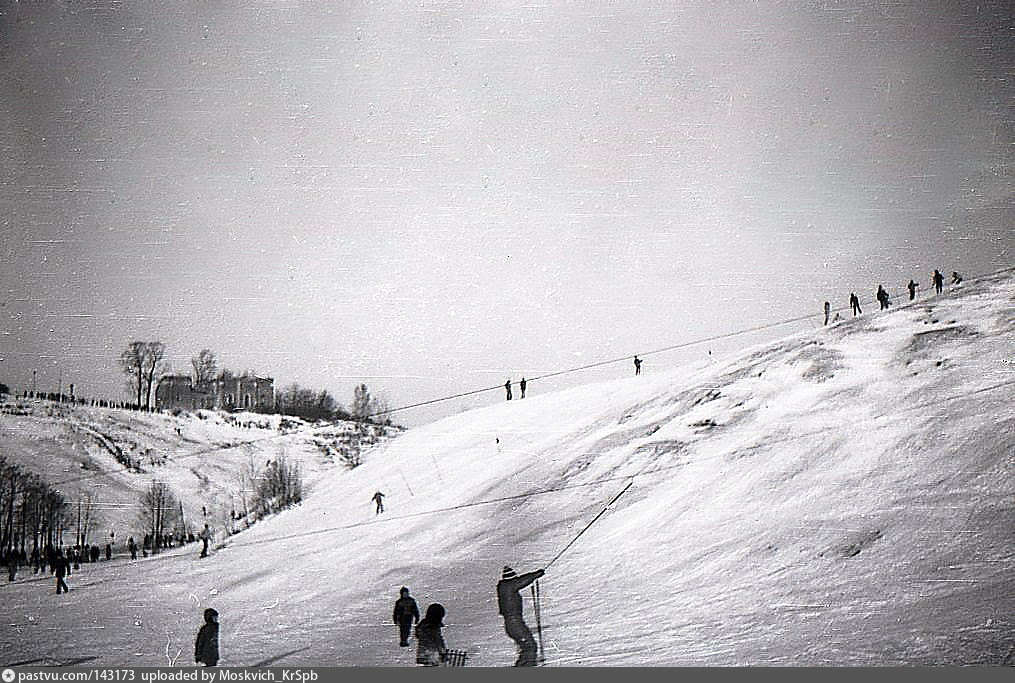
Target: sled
[(454, 658)]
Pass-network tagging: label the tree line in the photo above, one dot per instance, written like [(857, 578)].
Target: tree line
[(32, 513)]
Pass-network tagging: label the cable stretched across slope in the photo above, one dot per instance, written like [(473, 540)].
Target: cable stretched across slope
[(311, 430)]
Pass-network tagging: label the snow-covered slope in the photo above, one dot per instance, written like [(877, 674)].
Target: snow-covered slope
[(112, 456), (842, 496)]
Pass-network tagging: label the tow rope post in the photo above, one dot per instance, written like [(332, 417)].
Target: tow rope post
[(539, 622)]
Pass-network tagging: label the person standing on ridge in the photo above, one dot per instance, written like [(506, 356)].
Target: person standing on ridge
[(828, 311), (854, 303), (912, 289), (406, 612), (507, 388), (509, 603), (882, 297), (521, 386), (206, 647), (939, 281), (379, 499), (637, 366)]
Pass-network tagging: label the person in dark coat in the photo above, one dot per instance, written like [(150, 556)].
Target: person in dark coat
[(882, 296), (206, 647), (507, 388), (522, 385), (956, 278), (95, 552), (828, 311), (61, 567), (912, 289), (379, 499), (939, 281), (132, 547), (109, 551), (637, 366), (205, 539), (854, 303), (430, 647), (509, 603), (405, 614)]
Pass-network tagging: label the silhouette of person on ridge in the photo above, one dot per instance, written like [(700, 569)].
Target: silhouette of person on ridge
[(882, 298), (507, 388), (509, 603), (939, 281), (854, 303), (637, 366), (522, 385), (912, 289), (379, 499)]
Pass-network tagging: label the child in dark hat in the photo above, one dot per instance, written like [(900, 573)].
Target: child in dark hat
[(429, 637), (206, 649)]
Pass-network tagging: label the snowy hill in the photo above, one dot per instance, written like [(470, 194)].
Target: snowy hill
[(112, 455), (842, 496)]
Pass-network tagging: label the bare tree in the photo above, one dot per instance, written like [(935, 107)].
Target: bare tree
[(159, 511), (279, 486), (86, 510), (132, 361), (155, 351), (205, 367)]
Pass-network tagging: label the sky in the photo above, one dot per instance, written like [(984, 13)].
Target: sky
[(434, 197)]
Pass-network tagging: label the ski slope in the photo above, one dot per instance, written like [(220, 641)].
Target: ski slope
[(839, 497)]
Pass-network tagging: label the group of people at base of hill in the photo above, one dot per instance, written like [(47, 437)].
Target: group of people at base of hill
[(61, 562), (431, 649), (882, 296)]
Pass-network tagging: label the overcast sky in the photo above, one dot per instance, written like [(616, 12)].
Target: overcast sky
[(431, 197)]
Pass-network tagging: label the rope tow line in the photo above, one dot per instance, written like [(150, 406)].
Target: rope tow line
[(589, 525)]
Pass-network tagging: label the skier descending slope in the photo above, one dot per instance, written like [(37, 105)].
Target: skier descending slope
[(509, 602)]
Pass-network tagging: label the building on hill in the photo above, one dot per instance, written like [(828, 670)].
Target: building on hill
[(225, 392)]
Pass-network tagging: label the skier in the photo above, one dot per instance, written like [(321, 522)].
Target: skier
[(882, 297), (521, 385), (405, 613), (205, 537), (637, 366), (912, 289), (507, 388), (854, 303), (206, 647), (939, 281), (62, 568), (378, 498), (828, 311), (956, 278), (509, 603), (429, 639)]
